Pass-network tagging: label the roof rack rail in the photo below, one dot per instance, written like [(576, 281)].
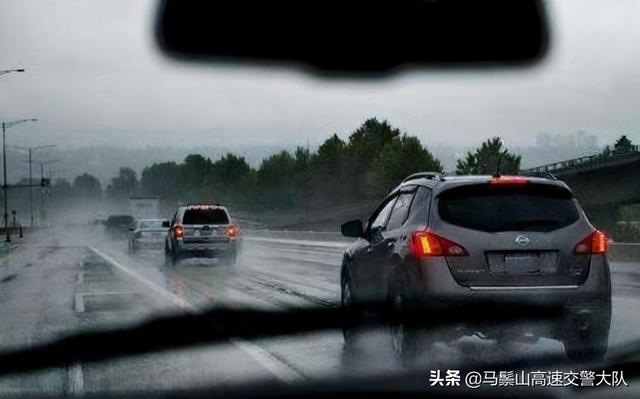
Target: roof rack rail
[(425, 175), (544, 175)]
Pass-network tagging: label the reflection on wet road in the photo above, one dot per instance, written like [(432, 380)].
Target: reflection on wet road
[(53, 285)]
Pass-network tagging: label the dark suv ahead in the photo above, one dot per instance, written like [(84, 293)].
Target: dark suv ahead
[(440, 239)]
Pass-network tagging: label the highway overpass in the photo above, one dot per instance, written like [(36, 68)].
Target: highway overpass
[(601, 184)]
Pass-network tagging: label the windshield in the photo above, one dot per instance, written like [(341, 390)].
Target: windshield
[(414, 201)]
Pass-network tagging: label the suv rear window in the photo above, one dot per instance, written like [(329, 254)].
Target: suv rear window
[(205, 216), (491, 209)]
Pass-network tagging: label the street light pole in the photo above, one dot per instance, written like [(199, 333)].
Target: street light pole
[(30, 190), (4, 186), (6, 125)]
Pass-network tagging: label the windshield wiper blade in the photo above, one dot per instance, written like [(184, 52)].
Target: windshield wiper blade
[(221, 324)]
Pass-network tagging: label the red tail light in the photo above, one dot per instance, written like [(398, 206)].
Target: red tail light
[(425, 243), (232, 231), (595, 243), (178, 231)]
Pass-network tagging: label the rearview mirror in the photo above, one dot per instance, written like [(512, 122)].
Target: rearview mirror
[(371, 36), (166, 224), (352, 228)]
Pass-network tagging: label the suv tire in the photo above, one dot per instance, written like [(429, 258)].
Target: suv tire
[(588, 338), (349, 333), (229, 259), (405, 338)]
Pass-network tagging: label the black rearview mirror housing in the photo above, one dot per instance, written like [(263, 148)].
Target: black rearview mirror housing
[(166, 224), (352, 228), (355, 36)]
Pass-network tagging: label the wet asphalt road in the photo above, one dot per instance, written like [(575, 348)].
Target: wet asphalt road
[(53, 284)]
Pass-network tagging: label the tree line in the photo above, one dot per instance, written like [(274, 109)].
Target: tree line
[(372, 160)]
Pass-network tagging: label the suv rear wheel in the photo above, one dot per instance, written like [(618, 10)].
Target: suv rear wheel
[(348, 332), (587, 336), (229, 258), (171, 257), (405, 339)]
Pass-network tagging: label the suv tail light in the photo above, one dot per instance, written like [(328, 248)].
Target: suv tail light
[(426, 243), (232, 231), (178, 231), (595, 243)]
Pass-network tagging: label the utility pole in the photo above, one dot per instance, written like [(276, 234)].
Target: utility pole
[(31, 149), (4, 187), (42, 179), (30, 190)]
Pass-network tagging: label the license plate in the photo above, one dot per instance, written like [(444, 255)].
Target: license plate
[(520, 257)]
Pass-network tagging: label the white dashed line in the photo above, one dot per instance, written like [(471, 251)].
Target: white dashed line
[(78, 302), (76, 380), (279, 369)]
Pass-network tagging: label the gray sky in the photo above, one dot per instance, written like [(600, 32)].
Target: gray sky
[(95, 77)]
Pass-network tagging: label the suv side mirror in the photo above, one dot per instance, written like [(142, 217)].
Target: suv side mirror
[(166, 224), (352, 228)]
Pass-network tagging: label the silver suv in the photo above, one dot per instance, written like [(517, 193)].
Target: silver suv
[(202, 231), (448, 240)]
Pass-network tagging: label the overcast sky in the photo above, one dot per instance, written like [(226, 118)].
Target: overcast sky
[(95, 77)]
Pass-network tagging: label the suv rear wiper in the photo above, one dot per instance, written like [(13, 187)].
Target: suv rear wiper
[(222, 324)]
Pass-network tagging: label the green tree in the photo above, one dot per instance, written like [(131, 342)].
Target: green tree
[(623, 146), (86, 185), (398, 159), (123, 185), (231, 170), (363, 148), (234, 180), (196, 172), (161, 179), (274, 179), (484, 160)]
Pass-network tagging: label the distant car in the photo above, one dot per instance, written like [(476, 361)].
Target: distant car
[(446, 240), (148, 233), (118, 225), (202, 231)]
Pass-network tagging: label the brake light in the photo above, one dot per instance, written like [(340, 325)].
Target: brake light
[(426, 243), (595, 243), (178, 231), (232, 231), (508, 181)]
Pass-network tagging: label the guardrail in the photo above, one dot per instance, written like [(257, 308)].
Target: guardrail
[(588, 161)]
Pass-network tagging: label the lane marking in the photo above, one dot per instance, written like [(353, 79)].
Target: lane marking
[(78, 302), (279, 369), (76, 380), (326, 244)]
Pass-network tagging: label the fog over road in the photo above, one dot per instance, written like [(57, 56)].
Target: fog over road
[(54, 283)]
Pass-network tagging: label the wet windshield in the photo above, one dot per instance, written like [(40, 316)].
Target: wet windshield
[(282, 189)]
